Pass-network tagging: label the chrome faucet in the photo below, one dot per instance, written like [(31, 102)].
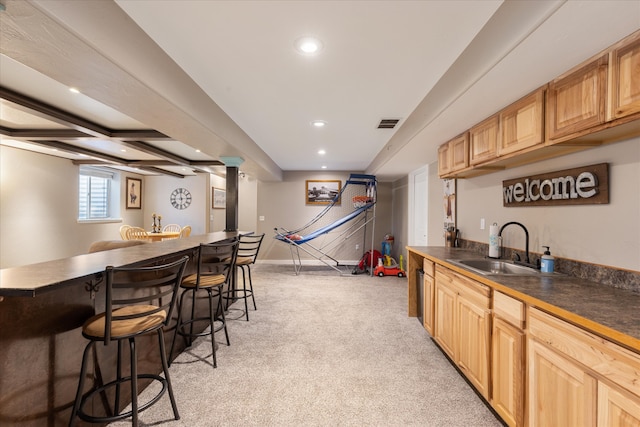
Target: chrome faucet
[(526, 233)]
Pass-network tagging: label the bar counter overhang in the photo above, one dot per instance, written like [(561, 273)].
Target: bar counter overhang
[(42, 308)]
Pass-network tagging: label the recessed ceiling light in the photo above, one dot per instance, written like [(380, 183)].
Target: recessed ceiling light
[(323, 167), (308, 45), (73, 90), (322, 152), (319, 123), (123, 150), (197, 151)]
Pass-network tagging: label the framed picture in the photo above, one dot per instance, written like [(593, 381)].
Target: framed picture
[(322, 192), (218, 198), (134, 193)]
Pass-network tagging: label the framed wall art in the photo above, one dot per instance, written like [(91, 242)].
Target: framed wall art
[(322, 192), (218, 198), (134, 193)]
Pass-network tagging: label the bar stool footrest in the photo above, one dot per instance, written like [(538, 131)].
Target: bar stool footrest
[(108, 419)]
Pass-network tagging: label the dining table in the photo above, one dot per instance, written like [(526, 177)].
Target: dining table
[(162, 235)]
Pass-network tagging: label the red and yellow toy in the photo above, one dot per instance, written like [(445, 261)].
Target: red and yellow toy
[(389, 267)]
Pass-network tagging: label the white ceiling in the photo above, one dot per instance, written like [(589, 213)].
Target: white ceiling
[(223, 76)]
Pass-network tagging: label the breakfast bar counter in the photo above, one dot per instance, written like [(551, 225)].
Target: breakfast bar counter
[(42, 308)]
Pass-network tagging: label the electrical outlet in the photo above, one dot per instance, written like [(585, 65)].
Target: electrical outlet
[(482, 224), (357, 246)]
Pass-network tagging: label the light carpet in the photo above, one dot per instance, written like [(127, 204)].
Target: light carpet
[(321, 350)]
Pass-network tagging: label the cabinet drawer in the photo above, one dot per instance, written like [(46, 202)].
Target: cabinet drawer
[(603, 357), (429, 267), (509, 309)]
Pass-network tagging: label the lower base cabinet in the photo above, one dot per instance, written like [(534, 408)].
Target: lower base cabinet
[(560, 392), (617, 408), (463, 325), (578, 379), (507, 372)]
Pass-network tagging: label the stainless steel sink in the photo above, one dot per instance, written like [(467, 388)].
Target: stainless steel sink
[(494, 267)]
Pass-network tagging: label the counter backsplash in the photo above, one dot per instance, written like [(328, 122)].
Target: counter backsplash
[(608, 276)]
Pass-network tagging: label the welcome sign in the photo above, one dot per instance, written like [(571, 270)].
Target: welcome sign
[(587, 185)]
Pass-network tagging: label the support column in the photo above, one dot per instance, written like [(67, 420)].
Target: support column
[(232, 164)]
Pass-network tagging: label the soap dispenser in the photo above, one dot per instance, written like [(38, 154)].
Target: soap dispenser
[(547, 261)]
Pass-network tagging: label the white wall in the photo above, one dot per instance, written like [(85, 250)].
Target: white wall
[(600, 234), (39, 210), (283, 205), (157, 191)]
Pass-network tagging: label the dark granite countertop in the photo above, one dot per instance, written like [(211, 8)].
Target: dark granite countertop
[(607, 311), (33, 279)]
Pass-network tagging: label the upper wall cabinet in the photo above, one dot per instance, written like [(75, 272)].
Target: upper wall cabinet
[(624, 78), (483, 140), (576, 101), (522, 124), (596, 102), (453, 156)]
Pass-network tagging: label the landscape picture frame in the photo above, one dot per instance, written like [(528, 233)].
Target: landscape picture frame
[(218, 198), (322, 191)]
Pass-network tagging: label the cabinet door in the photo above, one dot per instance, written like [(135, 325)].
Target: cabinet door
[(507, 372), (560, 392), (483, 140), (444, 166), (428, 304), (522, 124), (577, 102), (624, 76), (617, 408), (474, 329), (445, 325), (459, 152)]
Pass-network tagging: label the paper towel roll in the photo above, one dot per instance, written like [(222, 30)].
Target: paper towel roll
[(494, 241)]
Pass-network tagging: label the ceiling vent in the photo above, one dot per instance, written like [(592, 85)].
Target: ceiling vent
[(388, 123)]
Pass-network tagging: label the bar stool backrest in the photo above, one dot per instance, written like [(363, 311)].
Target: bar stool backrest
[(149, 290), (249, 247), (217, 259)]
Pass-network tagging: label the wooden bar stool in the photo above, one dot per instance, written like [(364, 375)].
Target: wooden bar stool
[(138, 301), (214, 271)]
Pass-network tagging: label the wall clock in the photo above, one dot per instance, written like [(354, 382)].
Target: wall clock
[(180, 198)]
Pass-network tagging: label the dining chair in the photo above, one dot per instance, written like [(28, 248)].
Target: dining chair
[(186, 231), (123, 231), (172, 228), (138, 301), (137, 233)]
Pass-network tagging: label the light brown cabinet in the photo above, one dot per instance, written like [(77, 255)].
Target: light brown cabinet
[(453, 156), (561, 393), (596, 102), (445, 315), (474, 338), (624, 78), (508, 359), (429, 296), (522, 124), (463, 325), (616, 408), (577, 378), (484, 140), (576, 101)]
